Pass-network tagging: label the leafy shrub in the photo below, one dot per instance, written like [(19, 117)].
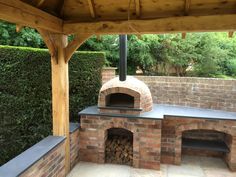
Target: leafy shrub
[(231, 67), (25, 94)]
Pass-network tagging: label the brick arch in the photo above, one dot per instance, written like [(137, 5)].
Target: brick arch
[(124, 90), (121, 124), (118, 124), (197, 126), (205, 126)]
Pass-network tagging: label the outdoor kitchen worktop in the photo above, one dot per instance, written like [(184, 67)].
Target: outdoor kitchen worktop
[(161, 110)]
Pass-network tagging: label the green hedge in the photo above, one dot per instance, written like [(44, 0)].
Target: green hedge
[(25, 94)]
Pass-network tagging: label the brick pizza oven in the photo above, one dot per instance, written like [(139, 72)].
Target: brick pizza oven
[(125, 97), (118, 132), (127, 128)]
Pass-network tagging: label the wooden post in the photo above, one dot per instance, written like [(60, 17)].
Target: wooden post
[(183, 35), (57, 44), (231, 34), (60, 95), (61, 53)]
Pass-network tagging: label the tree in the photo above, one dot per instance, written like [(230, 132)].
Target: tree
[(26, 37), (211, 54), (199, 54), (179, 53), (139, 55), (108, 44)]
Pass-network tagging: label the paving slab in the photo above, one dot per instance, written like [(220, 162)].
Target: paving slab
[(192, 166)]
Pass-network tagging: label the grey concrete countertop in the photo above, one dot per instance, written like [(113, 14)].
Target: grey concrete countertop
[(26, 159), (73, 127), (159, 111)]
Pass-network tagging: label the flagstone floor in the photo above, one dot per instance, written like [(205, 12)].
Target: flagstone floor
[(191, 167)]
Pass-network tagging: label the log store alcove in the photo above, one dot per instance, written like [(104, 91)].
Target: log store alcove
[(119, 146)]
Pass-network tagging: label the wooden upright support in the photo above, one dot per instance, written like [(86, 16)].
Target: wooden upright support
[(61, 52), (19, 28), (60, 95), (231, 34), (56, 44)]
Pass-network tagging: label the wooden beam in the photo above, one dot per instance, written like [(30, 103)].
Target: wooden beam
[(155, 26), (99, 37), (91, 8), (19, 28), (62, 8), (137, 8), (39, 3), (60, 88), (49, 41), (187, 7), (231, 34), (74, 45), (139, 36), (19, 12)]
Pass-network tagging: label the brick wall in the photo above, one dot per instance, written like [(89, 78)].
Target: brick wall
[(108, 73), (196, 92), (208, 93), (146, 139), (52, 164), (174, 127), (74, 148)]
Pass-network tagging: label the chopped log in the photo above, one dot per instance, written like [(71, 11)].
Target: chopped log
[(119, 150)]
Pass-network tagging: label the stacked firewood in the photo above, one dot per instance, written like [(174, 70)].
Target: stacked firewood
[(119, 150)]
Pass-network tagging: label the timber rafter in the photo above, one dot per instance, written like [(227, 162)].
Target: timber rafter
[(24, 14), (155, 26), (92, 8), (27, 15), (51, 41), (137, 8), (74, 45), (187, 4)]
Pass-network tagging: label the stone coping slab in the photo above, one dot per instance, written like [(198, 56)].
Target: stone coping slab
[(26, 159), (73, 127), (159, 111)]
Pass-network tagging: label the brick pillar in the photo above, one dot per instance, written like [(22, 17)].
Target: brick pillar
[(231, 159), (108, 73)]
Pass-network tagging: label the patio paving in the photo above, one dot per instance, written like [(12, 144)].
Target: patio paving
[(191, 166)]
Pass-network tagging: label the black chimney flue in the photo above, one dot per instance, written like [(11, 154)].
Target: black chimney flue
[(123, 57)]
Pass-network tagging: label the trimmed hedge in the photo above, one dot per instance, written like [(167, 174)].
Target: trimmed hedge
[(25, 94)]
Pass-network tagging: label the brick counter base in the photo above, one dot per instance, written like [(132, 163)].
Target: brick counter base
[(173, 129), (74, 147), (52, 164), (146, 139)]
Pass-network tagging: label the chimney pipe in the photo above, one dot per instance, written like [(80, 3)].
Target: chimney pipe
[(123, 57)]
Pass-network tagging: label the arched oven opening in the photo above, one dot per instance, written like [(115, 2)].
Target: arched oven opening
[(119, 100), (119, 146)]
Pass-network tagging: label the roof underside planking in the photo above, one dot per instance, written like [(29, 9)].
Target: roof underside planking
[(132, 16)]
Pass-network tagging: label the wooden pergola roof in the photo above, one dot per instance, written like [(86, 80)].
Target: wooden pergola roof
[(56, 19), (122, 16)]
